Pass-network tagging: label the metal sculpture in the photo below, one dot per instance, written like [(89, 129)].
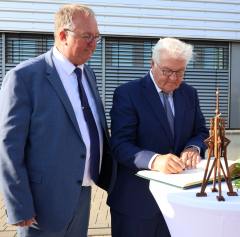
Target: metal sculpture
[(217, 149)]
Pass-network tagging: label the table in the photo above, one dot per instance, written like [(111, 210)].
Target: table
[(189, 216)]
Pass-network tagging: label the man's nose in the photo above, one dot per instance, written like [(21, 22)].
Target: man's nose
[(173, 76)]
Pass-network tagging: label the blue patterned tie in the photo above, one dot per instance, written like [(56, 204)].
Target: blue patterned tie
[(168, 111), (92, 128)]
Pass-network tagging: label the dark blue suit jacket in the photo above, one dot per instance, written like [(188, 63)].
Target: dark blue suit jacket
[(139, 130)]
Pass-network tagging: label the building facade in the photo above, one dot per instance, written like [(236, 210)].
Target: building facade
[(129, 30)]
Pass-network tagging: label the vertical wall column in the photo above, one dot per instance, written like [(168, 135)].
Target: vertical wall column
[(3, 45), (103, 72), (235, 87)]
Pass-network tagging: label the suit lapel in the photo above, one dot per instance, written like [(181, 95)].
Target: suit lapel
[(153, 98), (56, 83)]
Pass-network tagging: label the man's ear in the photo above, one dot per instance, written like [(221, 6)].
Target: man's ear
[(152, 63), (62, 35)]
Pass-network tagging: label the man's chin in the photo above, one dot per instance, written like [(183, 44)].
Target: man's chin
[(173, 88), (88, 55)]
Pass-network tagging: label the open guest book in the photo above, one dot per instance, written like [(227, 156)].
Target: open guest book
[(185, 180)]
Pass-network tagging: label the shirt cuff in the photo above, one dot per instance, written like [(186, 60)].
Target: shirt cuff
[(151, 161)]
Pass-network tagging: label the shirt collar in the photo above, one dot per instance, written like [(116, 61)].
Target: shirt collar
[(67, 66)]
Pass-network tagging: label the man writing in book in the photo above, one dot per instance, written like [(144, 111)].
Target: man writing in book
[(157, 124)]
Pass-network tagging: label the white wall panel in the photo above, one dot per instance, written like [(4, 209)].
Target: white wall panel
[(207, 19)]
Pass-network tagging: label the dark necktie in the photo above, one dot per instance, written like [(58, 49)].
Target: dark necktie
[(92, 129), (168, 111)]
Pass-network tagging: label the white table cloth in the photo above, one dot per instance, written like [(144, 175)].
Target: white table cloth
[(189, 216)]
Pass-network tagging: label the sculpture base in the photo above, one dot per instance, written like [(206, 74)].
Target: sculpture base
[(214, 190), (232, 194), (201, 194), (220, 198)]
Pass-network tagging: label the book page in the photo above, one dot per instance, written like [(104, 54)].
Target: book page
[(187, 179)]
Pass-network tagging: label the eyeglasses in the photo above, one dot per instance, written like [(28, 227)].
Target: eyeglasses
[(168, 72), (88, 38)]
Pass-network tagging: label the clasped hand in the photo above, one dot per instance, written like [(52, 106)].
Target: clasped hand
[(26, 223), (172, 164)]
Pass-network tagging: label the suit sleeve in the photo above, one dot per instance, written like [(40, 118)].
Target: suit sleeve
[(15, 112), (124, 124)]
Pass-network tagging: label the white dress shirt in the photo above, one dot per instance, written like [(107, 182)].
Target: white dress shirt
[(68, 77)]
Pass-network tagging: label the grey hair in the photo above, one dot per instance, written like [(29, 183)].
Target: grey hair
[(64, 16), (174, 48)]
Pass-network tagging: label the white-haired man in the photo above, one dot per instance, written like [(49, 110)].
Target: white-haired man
[(157, 124)]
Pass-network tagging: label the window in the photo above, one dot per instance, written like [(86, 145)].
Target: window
[(20, 47), (207, 56)]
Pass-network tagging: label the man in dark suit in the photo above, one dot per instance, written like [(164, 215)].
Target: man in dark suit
[(53, 133), (157, 124)]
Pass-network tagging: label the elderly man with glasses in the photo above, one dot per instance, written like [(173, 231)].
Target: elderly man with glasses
[(157, 124), (54, 141)]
